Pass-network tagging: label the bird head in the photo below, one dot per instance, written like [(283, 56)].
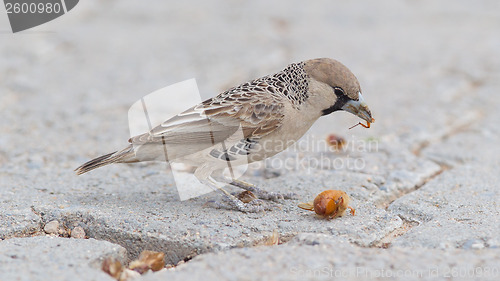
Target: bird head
[(339, 87)]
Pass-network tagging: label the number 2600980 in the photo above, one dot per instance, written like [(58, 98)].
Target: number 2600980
[(33, 8)]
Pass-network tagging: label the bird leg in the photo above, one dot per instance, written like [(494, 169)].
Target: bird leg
[(262, 194), (231, 202), (353, 211)]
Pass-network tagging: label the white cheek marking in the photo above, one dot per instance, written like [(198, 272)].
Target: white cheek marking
[(360, 97)]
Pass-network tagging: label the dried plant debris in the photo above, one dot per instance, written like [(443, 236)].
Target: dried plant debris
[(335, 142), (112, 267), (274, 239), (269, 239), (366, 126), (148, 260)]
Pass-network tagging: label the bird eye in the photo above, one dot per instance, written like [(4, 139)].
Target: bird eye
[(339, 92)]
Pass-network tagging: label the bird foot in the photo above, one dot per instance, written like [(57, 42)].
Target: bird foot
[(262, 194), (248, 202), (233, 203)]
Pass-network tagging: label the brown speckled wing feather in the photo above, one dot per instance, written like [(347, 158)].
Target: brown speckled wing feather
[(258, 113)]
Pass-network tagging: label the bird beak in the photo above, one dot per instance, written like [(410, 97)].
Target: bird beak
[(359, 108)]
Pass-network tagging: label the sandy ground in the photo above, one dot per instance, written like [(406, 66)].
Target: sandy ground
[(424, 179)]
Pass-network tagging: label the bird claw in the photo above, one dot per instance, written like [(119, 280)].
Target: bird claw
[(262, 194), (232, 203), (250, 207), (266, 206), (274, 196)]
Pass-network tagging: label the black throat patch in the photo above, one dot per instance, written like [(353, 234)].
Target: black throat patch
[(342, 99)]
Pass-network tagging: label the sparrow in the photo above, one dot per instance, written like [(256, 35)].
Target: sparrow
[(247, 123)]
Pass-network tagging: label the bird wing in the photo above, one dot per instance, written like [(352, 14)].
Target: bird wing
[(256, 111)]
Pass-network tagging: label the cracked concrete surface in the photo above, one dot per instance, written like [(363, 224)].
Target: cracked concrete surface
[(423, 179), (319, 257), (61, 259)]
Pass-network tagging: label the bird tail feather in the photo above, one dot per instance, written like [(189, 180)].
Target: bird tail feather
[(126, 155)]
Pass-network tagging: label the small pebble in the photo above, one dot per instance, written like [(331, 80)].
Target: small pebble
[(78, 233), (477, 246), (52, 227), (473, 244)]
